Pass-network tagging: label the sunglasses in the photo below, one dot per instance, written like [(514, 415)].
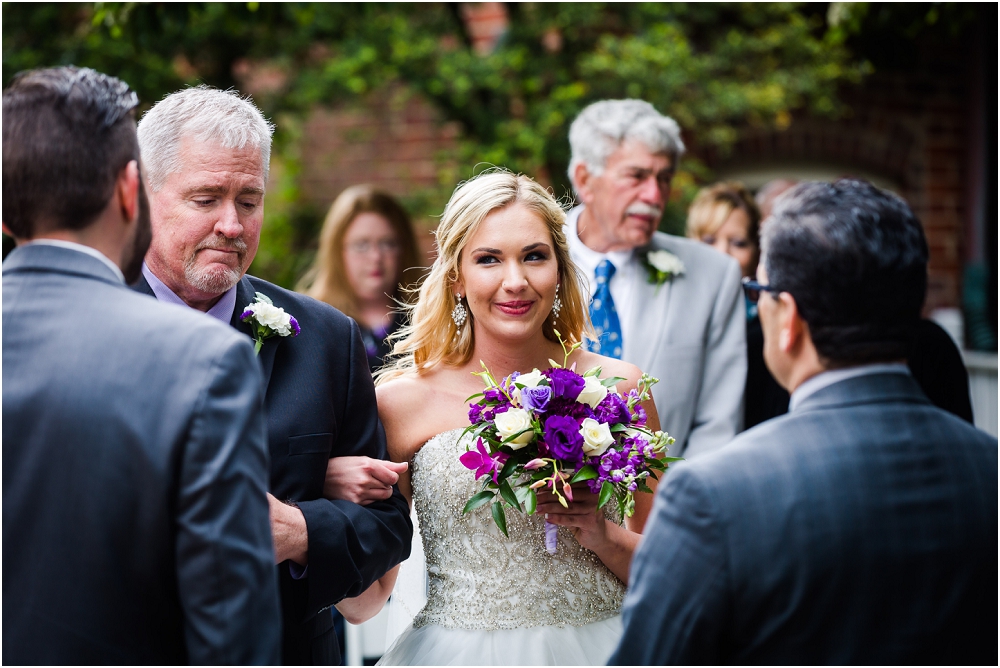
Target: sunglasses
[(752, 289)]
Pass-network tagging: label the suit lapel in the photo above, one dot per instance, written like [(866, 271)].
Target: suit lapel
[(649, 314), (245, 294)]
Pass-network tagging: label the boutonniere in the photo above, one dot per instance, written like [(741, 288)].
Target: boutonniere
[(661, 266), (268, 320)]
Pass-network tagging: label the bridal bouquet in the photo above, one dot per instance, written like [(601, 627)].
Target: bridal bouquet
[(550, 429)]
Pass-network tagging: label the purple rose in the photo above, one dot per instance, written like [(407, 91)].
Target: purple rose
[(562, 436), (565, 384), (536, 398)]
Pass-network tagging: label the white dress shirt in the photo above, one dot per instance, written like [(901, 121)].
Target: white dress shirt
[(628, 270)]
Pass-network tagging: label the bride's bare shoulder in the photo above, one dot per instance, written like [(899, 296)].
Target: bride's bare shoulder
[(413, 408), (610, 367)]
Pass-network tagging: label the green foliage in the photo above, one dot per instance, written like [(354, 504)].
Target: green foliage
[(716, 68)]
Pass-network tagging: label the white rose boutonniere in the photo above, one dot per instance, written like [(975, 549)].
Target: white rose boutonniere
[(662, 266), (268, 320)]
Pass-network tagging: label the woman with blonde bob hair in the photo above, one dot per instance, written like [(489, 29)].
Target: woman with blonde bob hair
[(501, 287), (366, 244)]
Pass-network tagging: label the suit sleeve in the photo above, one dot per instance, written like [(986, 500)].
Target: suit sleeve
[(351, 546), (225, 554), (718, 415), (680, 620)]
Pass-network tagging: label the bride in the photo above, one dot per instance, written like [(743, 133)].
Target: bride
[(489, 296)]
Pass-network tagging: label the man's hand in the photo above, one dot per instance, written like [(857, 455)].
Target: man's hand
[(288, 528), (361, 480)]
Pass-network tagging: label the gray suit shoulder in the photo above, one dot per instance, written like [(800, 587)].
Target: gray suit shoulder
[(701, 262)]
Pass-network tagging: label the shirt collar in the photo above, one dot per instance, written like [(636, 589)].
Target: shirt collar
[(827, 378), (585, 256), (72, 245), (221, 311)]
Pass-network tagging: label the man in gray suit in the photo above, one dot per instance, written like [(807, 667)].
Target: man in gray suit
[(861, 527), (135, 515), (671, 306)]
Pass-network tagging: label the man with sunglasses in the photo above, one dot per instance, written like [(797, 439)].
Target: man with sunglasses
[(861, 527)]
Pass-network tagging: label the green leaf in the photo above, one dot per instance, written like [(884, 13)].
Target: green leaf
[(531, 502), (614, 380), (643, 487), (585, 473), (477, 500), (508, 469), (607, 490), (508, 494), (521, 493), (671, 459), (596, 371), (514, 436), (500, 518), (477, 394)]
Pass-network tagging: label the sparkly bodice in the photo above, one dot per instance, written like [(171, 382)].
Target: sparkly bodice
[(480, 579)]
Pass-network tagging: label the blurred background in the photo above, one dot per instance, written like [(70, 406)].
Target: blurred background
[(413, 98)]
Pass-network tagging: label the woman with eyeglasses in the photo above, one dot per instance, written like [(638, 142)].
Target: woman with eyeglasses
[(725, 216), (366, 243)]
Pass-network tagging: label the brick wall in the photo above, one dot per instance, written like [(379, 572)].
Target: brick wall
[(906, 132)]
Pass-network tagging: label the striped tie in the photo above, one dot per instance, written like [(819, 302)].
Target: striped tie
[(603, 314)]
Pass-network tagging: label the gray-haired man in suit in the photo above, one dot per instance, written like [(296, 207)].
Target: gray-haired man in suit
[(671, 306), (135, 516), (861, 527)]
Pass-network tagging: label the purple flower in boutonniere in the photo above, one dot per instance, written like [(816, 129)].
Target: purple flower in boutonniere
[(268, 320), (661, 266)]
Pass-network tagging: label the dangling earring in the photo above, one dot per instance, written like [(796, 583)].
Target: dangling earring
[(459, 314), (556, 306)]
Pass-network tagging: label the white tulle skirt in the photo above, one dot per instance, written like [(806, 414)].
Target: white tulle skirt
[(434, 645)]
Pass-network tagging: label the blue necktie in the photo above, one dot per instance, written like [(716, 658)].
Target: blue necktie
[(603, 314)]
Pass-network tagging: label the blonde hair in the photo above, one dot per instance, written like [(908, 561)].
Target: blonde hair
[(326, 279), (713, 205), (432, 337)]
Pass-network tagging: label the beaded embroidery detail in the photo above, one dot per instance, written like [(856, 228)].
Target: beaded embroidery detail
[(478, 578)]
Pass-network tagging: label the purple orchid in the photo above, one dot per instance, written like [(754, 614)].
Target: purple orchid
[(480, 461)]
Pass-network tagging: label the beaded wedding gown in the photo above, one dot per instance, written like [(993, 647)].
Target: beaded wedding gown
[(493, 600)]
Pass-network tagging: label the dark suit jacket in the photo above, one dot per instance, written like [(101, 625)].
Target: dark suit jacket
[(860, 528), (135, 518), (320, 403)]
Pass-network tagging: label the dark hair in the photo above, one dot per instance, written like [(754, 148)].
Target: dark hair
[(67, 134), (854, 257)]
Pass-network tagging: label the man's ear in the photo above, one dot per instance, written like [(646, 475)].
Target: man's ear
[(793, 327), (583, 181), (127, 190)]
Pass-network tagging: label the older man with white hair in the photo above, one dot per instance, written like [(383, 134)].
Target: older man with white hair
[(671, 306), (206, 154)]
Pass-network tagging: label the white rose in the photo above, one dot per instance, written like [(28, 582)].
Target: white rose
[(513, 421), (596, 437), (666, 262), (273, 317), (529, 379), (593, 392)]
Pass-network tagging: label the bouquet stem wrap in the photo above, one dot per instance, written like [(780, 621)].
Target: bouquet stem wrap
[(551, 533)]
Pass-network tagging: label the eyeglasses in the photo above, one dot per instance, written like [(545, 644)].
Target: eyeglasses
[(384, 247), (752, 289)]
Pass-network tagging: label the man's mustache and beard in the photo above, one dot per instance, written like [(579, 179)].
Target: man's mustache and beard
[(132, 262), (219, 278)]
